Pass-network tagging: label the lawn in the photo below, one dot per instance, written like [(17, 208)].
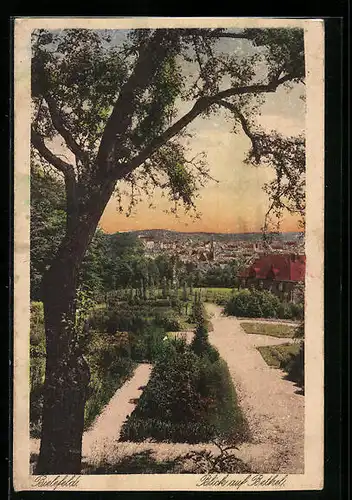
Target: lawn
[(271, 329), (278, 356)]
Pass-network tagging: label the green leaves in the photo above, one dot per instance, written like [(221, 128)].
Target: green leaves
[(84, 75), (84, 72), (287, 156), (284, 50)]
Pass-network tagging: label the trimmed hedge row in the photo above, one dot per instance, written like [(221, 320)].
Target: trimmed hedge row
[(189, 398)]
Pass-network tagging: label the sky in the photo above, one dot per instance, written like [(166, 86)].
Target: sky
[(237, 202)]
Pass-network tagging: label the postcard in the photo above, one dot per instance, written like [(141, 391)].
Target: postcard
[(169, 254)]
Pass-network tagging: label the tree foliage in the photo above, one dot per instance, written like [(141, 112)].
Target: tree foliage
[(80, 76), (105, 112)]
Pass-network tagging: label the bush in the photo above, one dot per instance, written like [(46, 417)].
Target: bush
[(295, 367), (169, 320), (201, 346), (37, 334), (226, 418), (137, 430), (37, 366), (284, 311), (147, 345), (261, 304), (296, 311), (198, 313), (189, 398)]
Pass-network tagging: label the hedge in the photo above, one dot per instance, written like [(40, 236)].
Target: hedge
[(188, 398), (261, 304)]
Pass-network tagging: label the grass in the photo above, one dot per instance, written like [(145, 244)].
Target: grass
[(142, 462), (194, 462), (270, 329), (278, 356)]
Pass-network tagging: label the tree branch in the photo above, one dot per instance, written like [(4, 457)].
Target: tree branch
[(200, 105), (151, 57), (245, 126), (39, 144), (69, 175), (60, 127)]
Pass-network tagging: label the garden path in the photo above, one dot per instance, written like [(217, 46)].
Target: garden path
[(273, 408), (272, 405), (107, 425)]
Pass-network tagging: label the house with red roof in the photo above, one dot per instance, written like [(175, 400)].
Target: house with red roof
[(277, 273)]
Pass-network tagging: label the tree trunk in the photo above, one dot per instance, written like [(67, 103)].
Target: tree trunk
[(66, 376), (67, 373)]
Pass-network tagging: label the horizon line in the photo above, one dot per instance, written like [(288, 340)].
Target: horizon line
[(202, 232)]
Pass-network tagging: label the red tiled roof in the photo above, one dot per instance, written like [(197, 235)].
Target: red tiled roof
[(279, 266)]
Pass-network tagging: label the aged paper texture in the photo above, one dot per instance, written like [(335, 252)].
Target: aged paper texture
[(169, 254)]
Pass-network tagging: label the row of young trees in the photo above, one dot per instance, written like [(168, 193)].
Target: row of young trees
[(113, 261), (116, 108)]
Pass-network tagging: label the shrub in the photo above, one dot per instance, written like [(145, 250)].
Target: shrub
[(37, 366), (189, 398), (215, 384), (169, 320), (284, 311), (295, 367), (296, 311), (146, 346), (200, 344), (37, 334), (269, 303), (256, 304), (198, 313), (137, 430)]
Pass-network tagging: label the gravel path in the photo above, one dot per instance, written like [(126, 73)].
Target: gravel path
[(272, 405), (99, 442), (274, 410), (107, 425)]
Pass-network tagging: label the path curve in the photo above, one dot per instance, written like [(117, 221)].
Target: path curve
[(271, 404)]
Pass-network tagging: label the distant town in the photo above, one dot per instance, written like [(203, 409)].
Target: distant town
[(209, 249)]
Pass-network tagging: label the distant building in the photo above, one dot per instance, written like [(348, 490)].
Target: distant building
[(148, 243), (277, 273)]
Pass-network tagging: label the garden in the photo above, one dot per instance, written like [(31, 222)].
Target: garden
[(121, 334), (190, 396)]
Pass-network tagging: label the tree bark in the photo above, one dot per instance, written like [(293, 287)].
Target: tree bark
[(67, 373), (66, 376)]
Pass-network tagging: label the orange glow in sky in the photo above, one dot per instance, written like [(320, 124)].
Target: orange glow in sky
[(237, 202)]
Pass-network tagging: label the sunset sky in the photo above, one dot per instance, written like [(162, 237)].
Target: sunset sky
[(237, 203)]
